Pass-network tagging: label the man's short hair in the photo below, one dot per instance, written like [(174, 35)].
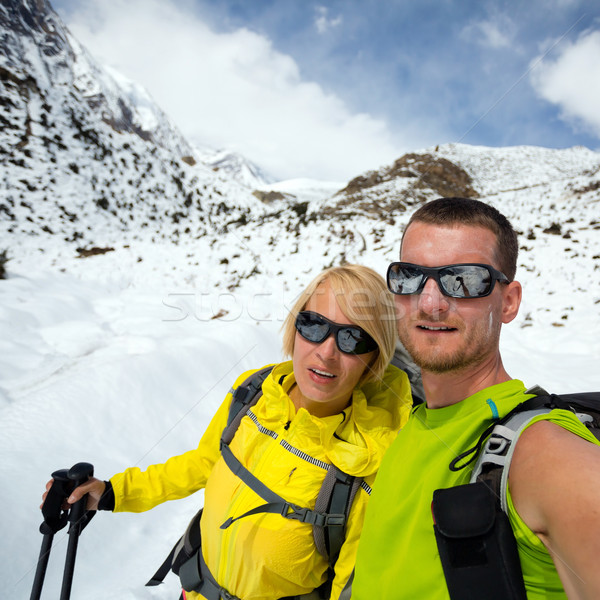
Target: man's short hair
[(363, 296), (466, 211)]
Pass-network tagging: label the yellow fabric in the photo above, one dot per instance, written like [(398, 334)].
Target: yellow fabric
[(265, 556)]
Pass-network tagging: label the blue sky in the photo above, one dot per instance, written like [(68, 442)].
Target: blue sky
[(331, 89)]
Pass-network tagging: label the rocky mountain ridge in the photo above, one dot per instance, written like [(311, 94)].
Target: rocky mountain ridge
[(84, 153)]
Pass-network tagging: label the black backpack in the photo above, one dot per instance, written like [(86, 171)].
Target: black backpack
[(328, 518), (476, 544)]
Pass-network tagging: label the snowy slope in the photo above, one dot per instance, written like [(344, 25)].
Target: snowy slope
[(100, 371), (97, 366)]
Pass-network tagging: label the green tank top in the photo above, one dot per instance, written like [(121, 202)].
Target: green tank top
[(397, 555)]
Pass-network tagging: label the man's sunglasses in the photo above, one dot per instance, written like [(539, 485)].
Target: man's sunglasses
[(350, 339), (469, 280)]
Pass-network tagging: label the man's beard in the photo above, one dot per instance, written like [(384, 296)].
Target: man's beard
[(474, 348)]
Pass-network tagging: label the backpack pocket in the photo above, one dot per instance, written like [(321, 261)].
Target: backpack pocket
[(477, 548)]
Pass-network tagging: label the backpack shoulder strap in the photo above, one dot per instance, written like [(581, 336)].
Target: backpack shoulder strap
[(493, 464), (185, 546), (482, 502), (245, 396), (335, 496)]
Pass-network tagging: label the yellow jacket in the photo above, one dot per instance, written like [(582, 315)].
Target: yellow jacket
[(265, 556)]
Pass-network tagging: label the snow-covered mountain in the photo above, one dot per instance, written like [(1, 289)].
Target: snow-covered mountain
[(87, 157), (46, 65), (234, 165), (90, 165)]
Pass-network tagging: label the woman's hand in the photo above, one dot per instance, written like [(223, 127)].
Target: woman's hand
[(93, 487)]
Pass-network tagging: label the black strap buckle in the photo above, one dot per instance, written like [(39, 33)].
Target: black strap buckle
[(335, 520), (318, 519), (298, 513)]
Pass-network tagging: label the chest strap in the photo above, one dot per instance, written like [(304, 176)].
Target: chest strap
[(275, 504)]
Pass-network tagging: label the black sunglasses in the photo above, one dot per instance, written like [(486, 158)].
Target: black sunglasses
[(350, 339), (468, 280)]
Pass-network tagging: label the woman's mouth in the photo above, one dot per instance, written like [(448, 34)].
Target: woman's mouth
[(321, 373)]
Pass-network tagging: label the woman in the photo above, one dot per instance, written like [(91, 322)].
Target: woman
[(337, 402)]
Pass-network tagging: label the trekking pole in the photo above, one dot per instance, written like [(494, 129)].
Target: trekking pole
[(55, 518), (78, 518)]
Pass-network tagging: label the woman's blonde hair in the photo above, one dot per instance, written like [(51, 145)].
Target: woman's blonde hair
[(364, 298)]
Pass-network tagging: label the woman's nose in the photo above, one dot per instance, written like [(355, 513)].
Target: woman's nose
[(328, 348)]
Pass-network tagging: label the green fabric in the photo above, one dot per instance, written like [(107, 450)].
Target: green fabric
[(397, 555), (541, 579)]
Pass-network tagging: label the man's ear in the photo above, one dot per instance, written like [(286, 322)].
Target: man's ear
[(511, 300)]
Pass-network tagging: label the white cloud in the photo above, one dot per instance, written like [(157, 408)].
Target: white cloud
[(491, 33), (572, 81), (322, 21), (233, 90)]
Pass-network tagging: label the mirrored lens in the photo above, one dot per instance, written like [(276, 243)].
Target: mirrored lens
[(404, 279), (350, 340), (458, 281), (312, 328), (465, 281)]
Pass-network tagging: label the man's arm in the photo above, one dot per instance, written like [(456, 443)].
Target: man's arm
[(554, 482)]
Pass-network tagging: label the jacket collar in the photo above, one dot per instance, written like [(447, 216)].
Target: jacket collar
[(356, 439)]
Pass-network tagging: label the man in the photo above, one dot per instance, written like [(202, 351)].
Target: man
[(450, 321)]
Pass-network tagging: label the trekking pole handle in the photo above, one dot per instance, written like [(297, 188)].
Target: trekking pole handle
[(78, 519), (79, 474), (55, 518)]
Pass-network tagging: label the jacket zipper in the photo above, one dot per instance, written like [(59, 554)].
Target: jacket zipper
[(239, 505)]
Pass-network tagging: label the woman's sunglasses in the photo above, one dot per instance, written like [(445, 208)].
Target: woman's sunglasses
[(350, 339), (469, 280)]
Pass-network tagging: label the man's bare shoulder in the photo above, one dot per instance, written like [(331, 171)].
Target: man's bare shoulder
[(544, 442), (554, 481), (546, 452)]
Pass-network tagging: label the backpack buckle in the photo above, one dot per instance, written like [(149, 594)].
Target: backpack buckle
[(298, 513), (305, 515), (335, 520)]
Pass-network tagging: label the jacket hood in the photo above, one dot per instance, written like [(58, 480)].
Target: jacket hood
[(356, 439)]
